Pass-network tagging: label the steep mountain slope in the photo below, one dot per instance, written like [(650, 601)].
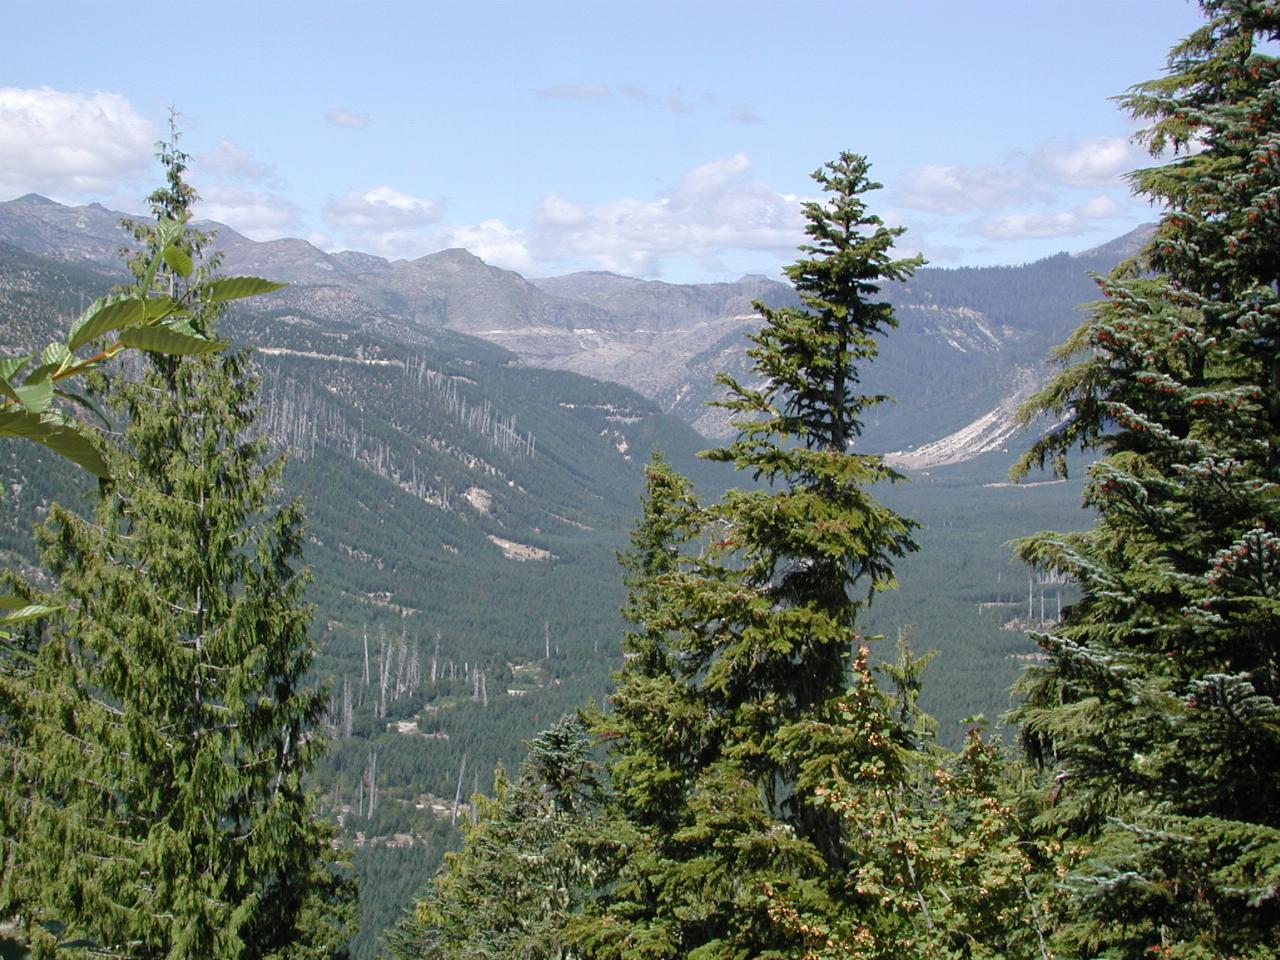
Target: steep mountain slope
[(464, 505), (970, 338), (463, 511)]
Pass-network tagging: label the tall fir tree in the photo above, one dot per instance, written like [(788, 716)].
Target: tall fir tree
[(1158, 710), (750, 631), (162, 730), (804, 555)]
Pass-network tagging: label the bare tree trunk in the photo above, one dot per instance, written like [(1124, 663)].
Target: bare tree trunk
[(384, 672), (402, 662), (457, 796), (366, 656), (346, 707)]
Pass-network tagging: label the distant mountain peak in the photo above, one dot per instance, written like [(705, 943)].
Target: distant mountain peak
[(459, 255), (35, 199), (1122, 247)]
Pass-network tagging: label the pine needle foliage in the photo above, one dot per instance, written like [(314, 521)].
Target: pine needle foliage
[(162, 729), (745, 619), (529, 858), (1158, 709), (800, 556)]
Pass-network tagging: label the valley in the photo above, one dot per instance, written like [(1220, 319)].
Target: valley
[(469, 446)]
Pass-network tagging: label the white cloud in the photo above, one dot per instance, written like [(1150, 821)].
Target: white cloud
[(380, 208), (1021, 179), (59, 143), (1022, 225), (259, 216), (233, 161), (574, 91), (338, 117), (493, 242), (384, 221), (716, 207), (1099, 161), (1101, 208), (950, 189), (673, 102)]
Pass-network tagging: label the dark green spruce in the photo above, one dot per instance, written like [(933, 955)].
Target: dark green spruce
[(1157, 710), (745, 615)]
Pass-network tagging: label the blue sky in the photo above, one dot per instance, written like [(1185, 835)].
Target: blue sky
[(651, 138)]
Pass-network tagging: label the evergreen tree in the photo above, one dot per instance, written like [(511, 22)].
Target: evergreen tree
[(162, 729), (750, 635), (804, 555), (654, 721), (937, 852), (1157, 709), (527, 862), (943, 857)]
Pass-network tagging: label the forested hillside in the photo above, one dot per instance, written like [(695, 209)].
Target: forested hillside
[(377, 630), (463, 512), (462, 518)]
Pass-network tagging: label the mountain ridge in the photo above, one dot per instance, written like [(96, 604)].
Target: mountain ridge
[(961, 330)]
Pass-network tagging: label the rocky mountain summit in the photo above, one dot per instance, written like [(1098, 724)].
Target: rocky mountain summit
[(971, 340)]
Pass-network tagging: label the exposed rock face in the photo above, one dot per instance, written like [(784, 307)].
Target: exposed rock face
[(988, 433), (968, 342)]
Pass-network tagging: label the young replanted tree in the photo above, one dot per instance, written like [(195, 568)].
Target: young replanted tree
[(1158, 710), (526, 865), (159, 735)]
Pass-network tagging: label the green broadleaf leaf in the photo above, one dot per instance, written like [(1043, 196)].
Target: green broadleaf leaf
[(104, 315), (57, 434), (85, 402), (40, 372), (168, 231), (157, 308), (235, 288), (6, 389), (36, 395), (9, 366), (79, 449), (23, 610), (164, 340), (179, 260), (149, 275), (55, 355)]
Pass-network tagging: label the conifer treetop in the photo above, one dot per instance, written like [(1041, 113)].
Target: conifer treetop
[(808, 359)]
